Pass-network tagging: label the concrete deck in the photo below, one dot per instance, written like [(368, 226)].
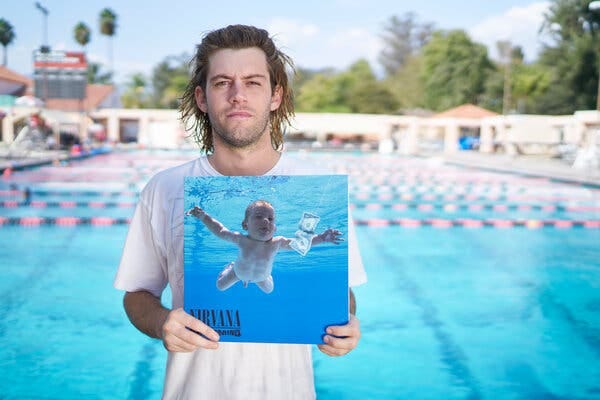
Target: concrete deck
[(542, 166)]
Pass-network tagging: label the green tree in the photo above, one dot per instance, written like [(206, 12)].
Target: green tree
[(403, 37), (7, 35), (363, 93), (169, 79), (303, 75), (321, 93), (355, 90), (454, 70), (573, 59), (108, 27), (82, 34), (527, 83), (172, 94), (135, 95), (96, 75), (406, 84)]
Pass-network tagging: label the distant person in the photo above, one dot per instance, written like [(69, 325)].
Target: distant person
[(27, 196), (258, 248), (236, 104)]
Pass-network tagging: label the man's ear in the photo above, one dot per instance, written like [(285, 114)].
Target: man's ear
[(245, 225), (200, 99), (276, 98)]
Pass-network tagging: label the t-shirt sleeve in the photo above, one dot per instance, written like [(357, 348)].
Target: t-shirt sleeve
[(356, 271), (143, 264)]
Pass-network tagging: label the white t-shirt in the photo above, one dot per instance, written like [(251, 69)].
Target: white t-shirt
[(153, 256)]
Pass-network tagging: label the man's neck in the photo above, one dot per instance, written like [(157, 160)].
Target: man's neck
[(228, 161)]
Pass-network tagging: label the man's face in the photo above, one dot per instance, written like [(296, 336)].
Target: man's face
[(238, 97), (260, 223)]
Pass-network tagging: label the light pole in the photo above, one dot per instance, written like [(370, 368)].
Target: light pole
[(44, 50), (595, 6)]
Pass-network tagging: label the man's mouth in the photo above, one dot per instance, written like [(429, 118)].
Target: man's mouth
[(239, 114)]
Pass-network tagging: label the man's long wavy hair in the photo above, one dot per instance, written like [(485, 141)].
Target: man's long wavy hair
[(237, 37)]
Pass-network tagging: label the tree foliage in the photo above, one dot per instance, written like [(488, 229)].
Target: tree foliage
[(403, 37), (169, 79), (454, 70), (96, 75), (355, 90), (7, 35), (135, 95), (573, 59), (108, 22), (406, 84), (108, 27), (82, 34)]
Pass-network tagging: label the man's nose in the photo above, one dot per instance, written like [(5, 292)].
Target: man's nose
[(238, 92)]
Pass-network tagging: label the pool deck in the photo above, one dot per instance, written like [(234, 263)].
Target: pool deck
[(541, 166)]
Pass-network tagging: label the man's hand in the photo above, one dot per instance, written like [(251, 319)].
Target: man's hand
[(180, 332), (347, 338)]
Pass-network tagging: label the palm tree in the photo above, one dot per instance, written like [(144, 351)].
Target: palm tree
[(96, 75), (108, 27), (82, 34), (7, 35)]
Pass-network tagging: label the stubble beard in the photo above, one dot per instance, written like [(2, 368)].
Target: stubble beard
[(242, 136)]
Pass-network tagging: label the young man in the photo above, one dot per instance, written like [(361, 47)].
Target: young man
[(237, 100)]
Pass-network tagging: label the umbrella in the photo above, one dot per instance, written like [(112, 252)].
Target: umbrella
[(28, 101)]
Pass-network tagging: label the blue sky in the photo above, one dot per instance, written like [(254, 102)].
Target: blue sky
[(315, 33)]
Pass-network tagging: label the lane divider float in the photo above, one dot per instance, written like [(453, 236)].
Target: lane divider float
[(373, 222)]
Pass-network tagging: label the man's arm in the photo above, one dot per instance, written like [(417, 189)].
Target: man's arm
[(178, 330), (342, 339)]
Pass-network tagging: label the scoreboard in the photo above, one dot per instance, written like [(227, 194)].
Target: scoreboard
[(59, 74)]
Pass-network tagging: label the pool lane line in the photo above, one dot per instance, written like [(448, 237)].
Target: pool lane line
[(71, 192), (451, 354), (66, 204), (448, 207), (478, 223), (451, 207), (67, 221), (62, 221), (361, 196)]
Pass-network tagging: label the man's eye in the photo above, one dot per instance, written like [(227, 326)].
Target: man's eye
[(253, 83), (221, 83)]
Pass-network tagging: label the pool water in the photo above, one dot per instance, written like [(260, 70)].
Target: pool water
[(490, 311)]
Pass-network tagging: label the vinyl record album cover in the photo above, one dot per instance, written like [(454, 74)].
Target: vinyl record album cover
[(266, 257)]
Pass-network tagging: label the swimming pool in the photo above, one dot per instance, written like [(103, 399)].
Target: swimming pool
[(481, 285)]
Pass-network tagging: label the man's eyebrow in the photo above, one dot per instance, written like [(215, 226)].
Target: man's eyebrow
[(246, 77)]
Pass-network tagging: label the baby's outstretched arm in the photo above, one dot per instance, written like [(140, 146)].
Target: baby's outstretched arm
[(212, 224), (329, 235)]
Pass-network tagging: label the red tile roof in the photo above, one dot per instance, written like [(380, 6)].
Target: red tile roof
[(10, 75), (466, 111), (13, 83)]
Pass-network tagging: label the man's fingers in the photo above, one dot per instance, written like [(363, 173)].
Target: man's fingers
[(332, 351), (352, 328), (182, 332), (198, 326), (341, 339), (173, 343)]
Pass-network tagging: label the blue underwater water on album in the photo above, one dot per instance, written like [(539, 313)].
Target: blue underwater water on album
[(266, 257)]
